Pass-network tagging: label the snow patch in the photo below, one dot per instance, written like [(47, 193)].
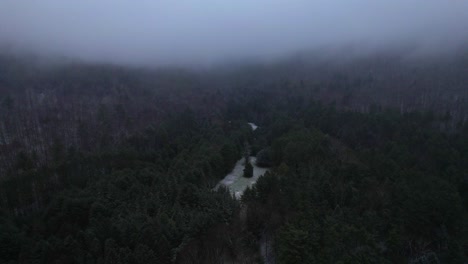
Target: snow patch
[(236, 183), (253, 126)]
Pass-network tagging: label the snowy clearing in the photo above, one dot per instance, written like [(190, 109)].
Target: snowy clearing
[(236, 183)]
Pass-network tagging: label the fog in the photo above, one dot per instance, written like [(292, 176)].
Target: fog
[(160, 32)]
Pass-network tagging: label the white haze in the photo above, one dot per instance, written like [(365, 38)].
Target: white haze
[(159, 32)]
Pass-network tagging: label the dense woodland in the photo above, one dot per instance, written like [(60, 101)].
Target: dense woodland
[(110, 164)]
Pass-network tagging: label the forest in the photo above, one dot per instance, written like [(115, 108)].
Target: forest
[(104, 164)]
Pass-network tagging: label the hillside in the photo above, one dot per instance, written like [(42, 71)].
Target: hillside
[(110, 164)]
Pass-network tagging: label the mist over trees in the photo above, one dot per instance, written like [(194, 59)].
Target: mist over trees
[(194, 33), (103, 163), (49, 109)]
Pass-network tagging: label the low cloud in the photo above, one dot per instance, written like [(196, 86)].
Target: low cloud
[(205, 31)]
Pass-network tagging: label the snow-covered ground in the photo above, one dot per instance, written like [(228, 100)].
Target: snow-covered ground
[(253, 126), (236, 183)]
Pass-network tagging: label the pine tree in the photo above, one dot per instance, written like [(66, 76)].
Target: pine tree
[(248, 168)]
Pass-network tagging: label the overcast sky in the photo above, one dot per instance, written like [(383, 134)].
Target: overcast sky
[(204, 31)]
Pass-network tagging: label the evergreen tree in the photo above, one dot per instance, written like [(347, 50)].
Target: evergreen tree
[(248, 168)]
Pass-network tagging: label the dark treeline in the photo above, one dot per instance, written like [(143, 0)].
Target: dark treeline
[(65, 103), (362, 188), (106, 164)]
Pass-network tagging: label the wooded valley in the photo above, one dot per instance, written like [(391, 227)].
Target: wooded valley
[(106, 164)]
